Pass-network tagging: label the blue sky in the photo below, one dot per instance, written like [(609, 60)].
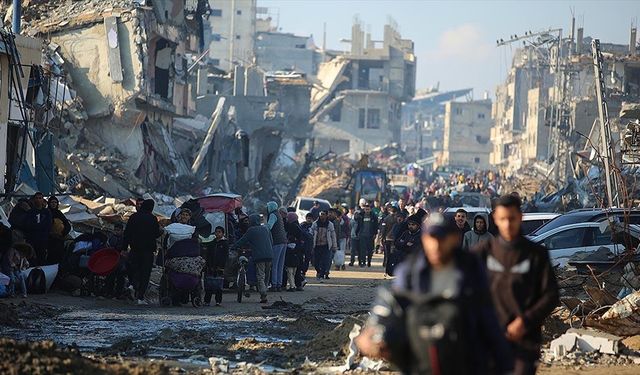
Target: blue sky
[(455, 41)]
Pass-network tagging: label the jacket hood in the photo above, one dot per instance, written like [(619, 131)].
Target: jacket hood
[(147, 205), (483, 218), (272, 207), (254, 220)]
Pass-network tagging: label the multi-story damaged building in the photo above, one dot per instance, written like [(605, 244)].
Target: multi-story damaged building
[(466, 135), (546, 110), (230, 33), (27, 107), (357, 101), (128, 65)]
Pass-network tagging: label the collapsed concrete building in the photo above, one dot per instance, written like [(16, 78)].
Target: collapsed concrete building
[(546, 112), (356, 103), (127, 67), (29, 102)]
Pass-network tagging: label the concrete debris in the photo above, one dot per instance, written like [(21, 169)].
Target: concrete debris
[(586, 341)]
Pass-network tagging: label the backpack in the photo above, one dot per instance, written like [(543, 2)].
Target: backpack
[(435, 329), (36, 282)]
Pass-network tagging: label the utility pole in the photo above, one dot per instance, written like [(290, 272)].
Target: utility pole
[(608, 151)]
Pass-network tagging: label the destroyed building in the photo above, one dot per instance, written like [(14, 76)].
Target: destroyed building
[(356, 103), (423, 123), (547, 96), (127, 69), (29, 102), (466, 141), (230, 33)]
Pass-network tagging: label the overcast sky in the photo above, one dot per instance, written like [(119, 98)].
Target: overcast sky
[(455, 41)]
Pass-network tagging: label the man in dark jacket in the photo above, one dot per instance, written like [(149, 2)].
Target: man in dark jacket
[(446, 279), (258, 238), (37, 226), (366, 231), (141, 234), (522, 282), (407, 243), (386, 233)]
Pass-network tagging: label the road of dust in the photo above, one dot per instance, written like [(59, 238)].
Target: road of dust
[(304, 332)]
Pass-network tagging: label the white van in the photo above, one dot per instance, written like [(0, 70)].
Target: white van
[(303, 206)]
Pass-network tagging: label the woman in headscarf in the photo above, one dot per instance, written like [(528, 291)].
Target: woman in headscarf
[(60, 228)]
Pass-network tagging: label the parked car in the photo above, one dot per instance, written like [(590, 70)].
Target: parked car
[(587, 215), (565, 241), (534, 220), (303, 206)]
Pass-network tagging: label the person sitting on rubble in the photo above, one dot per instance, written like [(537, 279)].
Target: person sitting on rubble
[(216, 252), (60, 228), (18, 262)]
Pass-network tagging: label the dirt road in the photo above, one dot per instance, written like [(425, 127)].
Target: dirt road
[(294, 329)]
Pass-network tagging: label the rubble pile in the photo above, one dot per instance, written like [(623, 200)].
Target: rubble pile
[(330, 178), (45, 357), (43, 16), (594, 326)]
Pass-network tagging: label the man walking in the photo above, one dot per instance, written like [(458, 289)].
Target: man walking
[(141, 233), (275, 224), (324, 244), (478, 234), (522, 283), (437, 318), (366, 231), (258, 238)]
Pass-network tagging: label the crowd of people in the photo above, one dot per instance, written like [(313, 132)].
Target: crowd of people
[(465, 304)]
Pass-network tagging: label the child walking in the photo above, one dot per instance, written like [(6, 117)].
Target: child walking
[(216, 251)]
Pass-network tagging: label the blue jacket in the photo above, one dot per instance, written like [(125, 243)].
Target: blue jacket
[(258, 238)]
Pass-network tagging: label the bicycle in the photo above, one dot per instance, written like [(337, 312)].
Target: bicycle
[(241, 279)]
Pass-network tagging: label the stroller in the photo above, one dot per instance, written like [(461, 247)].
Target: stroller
[(182, 268)]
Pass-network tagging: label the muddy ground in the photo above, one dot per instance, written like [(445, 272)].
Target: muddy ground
[(306, 332)]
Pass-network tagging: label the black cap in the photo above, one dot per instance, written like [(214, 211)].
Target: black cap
[(438, 226)]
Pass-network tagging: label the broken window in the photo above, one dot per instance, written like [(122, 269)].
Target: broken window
[(481, 116), (335, 114), (239, 12), (237, 37), (476, 160), (458, 111), (373, 119), (369, 117), (216, 12), (216, 37), (162, 66)]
